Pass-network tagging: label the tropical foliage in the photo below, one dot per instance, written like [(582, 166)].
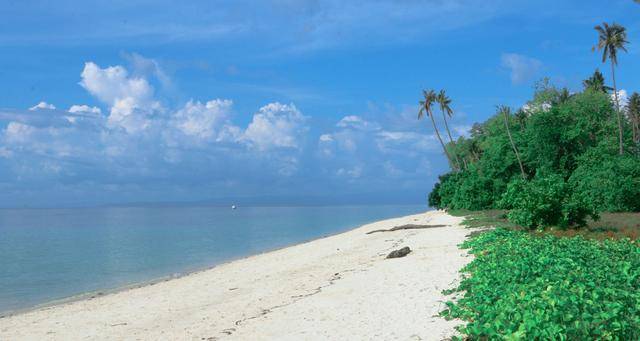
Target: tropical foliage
[(523, 286), (553, 162)]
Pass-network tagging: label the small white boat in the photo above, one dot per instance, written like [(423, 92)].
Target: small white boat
[(233, 207)]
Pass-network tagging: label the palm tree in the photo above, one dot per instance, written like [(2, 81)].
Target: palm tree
[(426, 107), (612, 38), (445, 107), (506, 112), (633, 110), (596, 82), (564, 95)]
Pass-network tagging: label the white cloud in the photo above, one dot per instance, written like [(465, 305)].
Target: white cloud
[(275, 125), (357, 123), (84, 109), (325, 138), (205, 121), (522, 68), (43, 105), (131, 98), (623, 98), (17, 132)]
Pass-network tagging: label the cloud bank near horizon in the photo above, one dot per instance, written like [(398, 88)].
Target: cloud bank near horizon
[(134, 144)]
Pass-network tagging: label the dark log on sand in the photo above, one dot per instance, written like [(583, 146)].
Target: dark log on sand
[(399, 253), (407, 227)]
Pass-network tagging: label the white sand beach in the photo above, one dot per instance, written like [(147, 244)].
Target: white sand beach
[(336, 288)]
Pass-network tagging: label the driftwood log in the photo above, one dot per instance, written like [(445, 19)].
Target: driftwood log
[(407, 227), (399, 253)]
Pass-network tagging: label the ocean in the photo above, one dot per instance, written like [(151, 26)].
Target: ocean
[(54, 254)]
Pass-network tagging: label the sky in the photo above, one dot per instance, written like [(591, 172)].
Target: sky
[(271, 102)]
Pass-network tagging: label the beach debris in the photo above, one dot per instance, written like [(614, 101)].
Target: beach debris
[(229, 331), (407, 227), (399, 253)]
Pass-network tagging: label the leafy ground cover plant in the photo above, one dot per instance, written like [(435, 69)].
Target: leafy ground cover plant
[(527, 286)]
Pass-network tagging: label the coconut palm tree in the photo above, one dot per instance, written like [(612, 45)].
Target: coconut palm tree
[(596, 82), (426, 107), (506, 113), (612, 38), (445, 107)]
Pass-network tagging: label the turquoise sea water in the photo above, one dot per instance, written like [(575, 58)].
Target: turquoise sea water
[(51, 254)]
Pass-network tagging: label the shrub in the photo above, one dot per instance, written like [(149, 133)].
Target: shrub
[(462, 190), (608, 182), (544, 201)]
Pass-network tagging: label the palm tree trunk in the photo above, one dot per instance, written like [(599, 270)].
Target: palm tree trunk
[(440, 139), (615, 93), (513, 145), (446, 125)]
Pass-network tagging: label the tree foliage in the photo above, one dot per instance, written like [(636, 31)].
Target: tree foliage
[(526, 287), (568, 147)]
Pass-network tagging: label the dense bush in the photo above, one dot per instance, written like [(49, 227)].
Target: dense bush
[(610, 183), (544, 201), (522, 286), (463, 190), (573, 137)]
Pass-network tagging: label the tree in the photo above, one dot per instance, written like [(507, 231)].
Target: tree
[(426, 107), (445, 106), (563, 96), (612, 38), (506, 112), (596, 82), (633, 110)]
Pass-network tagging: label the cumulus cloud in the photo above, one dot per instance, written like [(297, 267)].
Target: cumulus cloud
[(206, 121), (138, 143), (521, 67), (43, 105), (276, 125), (131, 98)]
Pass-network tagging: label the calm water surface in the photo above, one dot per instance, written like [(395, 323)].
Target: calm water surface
[(50, 254)]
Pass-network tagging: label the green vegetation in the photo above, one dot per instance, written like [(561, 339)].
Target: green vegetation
[(555, 162), (527, 286), (560, 160)]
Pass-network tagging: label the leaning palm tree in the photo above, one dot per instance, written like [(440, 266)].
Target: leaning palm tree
[(445, 107), (612, 38), (506, 112), (426, 106)]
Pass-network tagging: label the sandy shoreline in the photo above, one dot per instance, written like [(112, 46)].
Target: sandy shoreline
[(338, 287)]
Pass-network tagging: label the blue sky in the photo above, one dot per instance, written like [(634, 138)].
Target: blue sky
[(271, 102)]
